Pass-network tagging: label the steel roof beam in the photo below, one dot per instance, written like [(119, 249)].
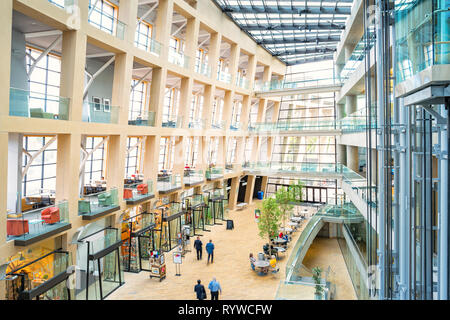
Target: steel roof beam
[(304, 51), (286, 9), (293, 27), (311, 59), (298, 40)]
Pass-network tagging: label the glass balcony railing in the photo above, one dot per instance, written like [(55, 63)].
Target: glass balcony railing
[(105, 22), (168, 183), (100, 113), (194, 200), (214, 173), (197, 124), (236, 126), (144, 42), (364, 46), (300, 290), (203, 68), (24, 103), (31, 226), (136, 192), (242, 82), (143, 119), (230, 167), (262, 86), (178, 58), (218, 124), (357, 121), (224, 77), (193, 177), (422, 36), (95, 204), (172, 122), (62, 3), (292, 126)]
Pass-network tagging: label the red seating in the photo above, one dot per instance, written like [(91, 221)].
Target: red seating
[(16, 227), (50, 215), (127, 193), (142, 188)]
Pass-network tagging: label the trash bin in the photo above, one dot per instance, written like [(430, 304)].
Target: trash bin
[(260, 195)]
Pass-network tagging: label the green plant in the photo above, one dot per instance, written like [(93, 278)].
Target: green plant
[(295, 191), (269, 218), (317, 272), (284, 199)]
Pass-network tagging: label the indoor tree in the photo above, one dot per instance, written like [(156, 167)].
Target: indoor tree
[(269, 218), (284, 199)]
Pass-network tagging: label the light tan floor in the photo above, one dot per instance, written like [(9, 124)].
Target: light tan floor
[(231, 267)]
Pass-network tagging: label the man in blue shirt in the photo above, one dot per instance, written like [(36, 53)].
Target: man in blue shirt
[(214, 287), (210, 249)]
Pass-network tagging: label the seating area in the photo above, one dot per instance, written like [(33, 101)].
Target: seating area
[(98, 204)]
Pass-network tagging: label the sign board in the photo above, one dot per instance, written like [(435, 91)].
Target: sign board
[(177, 258)]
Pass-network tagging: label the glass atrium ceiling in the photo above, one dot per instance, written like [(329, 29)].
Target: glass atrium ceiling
[(296, 31)]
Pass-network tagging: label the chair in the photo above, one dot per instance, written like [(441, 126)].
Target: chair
[(39, 113), (127, 193), (142, 188), (104, 199), (16, 227), (84, 206), (50, 215)]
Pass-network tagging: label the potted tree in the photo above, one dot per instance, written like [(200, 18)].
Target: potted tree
[(269, 219), (284, 199), (317, 272)]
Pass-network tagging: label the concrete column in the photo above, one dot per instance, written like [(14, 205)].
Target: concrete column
[(116, 163), (262, 107), (157, 88), (207, 105), (249, 189), (192, 30), (128, 14), (341, 154), (235, 51), (352, 158), (214, 52), (234, 192), (163, 24), (348, 50), (123, 67), (6, 7), (251, 70), (350, 104), (185, 100), (180, 148), (151, 157), (227, 108), (340, 111), (73, 60)]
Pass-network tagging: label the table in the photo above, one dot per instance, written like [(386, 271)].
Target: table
[(296, 219), (261, 264), (287, 229), (294, 224), (278, 240), (280, 249)]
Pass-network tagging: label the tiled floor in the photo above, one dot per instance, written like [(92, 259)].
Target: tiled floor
[(231, 267)]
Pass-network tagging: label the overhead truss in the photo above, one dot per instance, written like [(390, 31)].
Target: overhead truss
[(295, 31)]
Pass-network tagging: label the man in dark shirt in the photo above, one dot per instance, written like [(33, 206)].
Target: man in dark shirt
[(198, 246), (200, 290)]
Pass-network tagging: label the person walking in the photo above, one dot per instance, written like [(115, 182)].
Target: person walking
[(210, 249), (198, 246), (215, 288), (200, 290)]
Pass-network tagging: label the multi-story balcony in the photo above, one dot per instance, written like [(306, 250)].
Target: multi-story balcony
[(214, 173), (242, 82), (168, 183), (105, 22), (193, 177), (173, 122), (28, 227), (178, 58), (100, 113), (135, 193), (224, 76), (143, 119), (98, 204), (24, 103), (203, 68)]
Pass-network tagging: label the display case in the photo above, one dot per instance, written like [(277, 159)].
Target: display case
[(42, 278), (101, 272), (132, 229), (196, 210)]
